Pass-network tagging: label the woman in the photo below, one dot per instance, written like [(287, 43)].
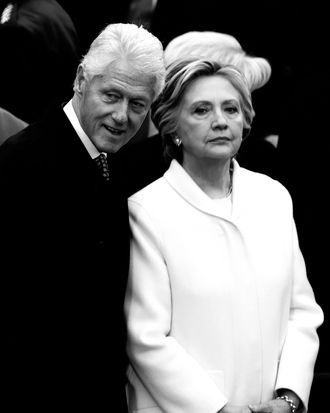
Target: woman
[(143, 162), (220, 314)]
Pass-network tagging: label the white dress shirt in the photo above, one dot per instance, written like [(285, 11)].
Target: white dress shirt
[(90, 147)]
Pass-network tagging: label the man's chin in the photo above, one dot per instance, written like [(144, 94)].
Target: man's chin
[(113, 145)]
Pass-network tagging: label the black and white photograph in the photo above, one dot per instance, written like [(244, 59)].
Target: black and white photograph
[(164, 212)]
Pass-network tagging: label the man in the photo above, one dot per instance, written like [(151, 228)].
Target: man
[(64, 232)]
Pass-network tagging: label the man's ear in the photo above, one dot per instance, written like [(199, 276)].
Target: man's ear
[(80, 80)]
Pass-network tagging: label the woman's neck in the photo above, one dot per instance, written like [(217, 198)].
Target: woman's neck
[(213, 177)]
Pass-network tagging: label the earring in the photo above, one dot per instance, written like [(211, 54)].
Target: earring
[(177, 141)]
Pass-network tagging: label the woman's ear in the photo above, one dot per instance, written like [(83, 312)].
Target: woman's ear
[(176, 140)]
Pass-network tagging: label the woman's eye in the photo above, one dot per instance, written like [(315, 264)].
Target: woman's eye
[(201, 110), (231, 109)]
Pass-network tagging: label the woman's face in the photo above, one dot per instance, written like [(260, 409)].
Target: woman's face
[(210, 120)]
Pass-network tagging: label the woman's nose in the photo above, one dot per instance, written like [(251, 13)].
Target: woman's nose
[(219, 119)]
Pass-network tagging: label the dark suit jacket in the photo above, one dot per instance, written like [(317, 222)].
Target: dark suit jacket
[(141, 163), (65, 252)]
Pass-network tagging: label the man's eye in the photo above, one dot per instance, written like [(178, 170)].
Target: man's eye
[(112, 97), (138, 106)]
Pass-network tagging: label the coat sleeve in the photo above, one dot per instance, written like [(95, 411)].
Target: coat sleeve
[(175, 381), (301, 344)]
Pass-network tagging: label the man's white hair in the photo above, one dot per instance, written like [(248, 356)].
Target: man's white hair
[(132, 43)]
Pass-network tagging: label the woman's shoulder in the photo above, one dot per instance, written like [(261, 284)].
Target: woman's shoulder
[(150, 202), (262, 183), (151, 193)]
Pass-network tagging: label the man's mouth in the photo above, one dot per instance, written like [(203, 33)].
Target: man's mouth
[(114, 131)]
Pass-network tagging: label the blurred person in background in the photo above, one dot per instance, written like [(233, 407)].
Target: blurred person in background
[(90, 19), (9, 124), (39, 56)]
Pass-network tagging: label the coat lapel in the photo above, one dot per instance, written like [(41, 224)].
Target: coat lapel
[(187, 188)]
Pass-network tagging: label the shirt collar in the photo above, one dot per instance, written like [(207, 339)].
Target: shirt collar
[(90, 147)]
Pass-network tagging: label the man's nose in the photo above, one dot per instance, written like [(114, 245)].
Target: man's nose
[(120, 113)]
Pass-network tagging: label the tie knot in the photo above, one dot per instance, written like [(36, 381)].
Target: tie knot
[(101, 162)]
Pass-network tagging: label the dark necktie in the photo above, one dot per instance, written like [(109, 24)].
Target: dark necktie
[(101, 162)]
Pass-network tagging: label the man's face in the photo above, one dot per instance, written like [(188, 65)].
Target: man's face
[(113, 106)]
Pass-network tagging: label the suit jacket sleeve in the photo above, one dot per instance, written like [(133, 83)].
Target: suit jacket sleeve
[(173, 378)]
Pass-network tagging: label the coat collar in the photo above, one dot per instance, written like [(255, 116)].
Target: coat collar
[(186, 187)]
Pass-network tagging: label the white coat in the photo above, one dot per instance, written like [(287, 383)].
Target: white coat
[(217, 309)]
